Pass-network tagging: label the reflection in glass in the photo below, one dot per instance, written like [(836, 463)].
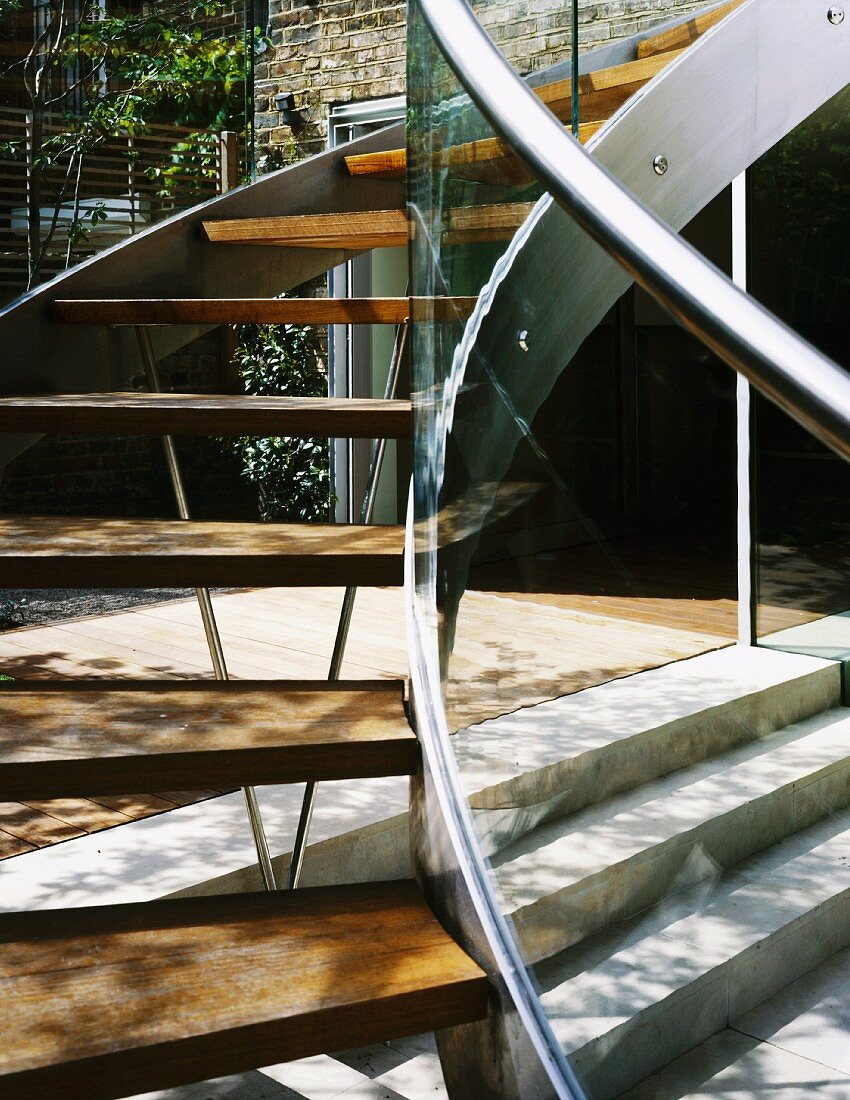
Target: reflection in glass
[(803, 275)]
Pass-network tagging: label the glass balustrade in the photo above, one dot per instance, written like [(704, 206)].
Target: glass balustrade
[(578, 529)]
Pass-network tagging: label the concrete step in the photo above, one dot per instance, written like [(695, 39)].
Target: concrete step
[(628, 1001), (793, 1046), (557, 757), (570, 878)]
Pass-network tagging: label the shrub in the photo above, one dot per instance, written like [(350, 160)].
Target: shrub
[(292, 474)]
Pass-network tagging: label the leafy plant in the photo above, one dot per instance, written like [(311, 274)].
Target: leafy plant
[(291, 474), (110, 74), (12, 614)]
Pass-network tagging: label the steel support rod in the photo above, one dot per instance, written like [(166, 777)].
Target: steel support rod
[(205, 605), (367, 509)]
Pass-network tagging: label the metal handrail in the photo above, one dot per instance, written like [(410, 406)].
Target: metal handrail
[(808, 385)]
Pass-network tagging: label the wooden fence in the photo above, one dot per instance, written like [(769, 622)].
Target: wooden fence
[(119, 186)]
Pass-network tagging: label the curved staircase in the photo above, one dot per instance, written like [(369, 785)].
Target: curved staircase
[(110, 1001)]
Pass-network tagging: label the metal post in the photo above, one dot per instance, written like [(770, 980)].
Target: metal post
[(205, 604), (747, 626), (367, 509)]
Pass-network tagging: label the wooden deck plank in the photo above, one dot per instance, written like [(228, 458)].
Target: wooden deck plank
[(259, 311), (35, 827), (206, 414), (81, 813), (102, 1001), (13, 846), (73, 552), (125, 739)]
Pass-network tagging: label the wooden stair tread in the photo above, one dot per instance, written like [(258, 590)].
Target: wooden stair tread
[(109, 1000), (601, 93), (484, 151), (85, 552), (137, 737), (271, 311), (349, 231), (685, 33), (207, 414), (355, 230)]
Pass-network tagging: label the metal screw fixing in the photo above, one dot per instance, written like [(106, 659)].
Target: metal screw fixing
[(522, 339), (835, 15), (659, 164)]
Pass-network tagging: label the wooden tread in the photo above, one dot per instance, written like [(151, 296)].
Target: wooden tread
[(355, 232), (82, 552), (261, 311), (207, 414), (601, 92), (486, 158), (108, 1001), (89, 738), (685, 33), (604, 91)]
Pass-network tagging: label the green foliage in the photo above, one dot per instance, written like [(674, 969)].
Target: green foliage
[(179, 73), (292, 475), (12, 614), (113, 73)]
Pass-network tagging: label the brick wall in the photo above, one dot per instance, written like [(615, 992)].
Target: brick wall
[(329, 52), (107, 476)]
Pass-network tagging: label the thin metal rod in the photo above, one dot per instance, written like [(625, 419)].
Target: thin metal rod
[(367, 510), (574, 71), (205, 604), (744, 426)]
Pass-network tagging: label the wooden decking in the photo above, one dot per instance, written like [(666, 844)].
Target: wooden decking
[(538, 628)]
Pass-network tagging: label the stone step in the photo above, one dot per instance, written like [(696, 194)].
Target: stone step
[(630, 1000), (571, 878), (793, 1046), (560, 756)]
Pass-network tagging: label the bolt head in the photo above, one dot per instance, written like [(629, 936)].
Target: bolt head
[(835, 15), (522, 339), (659, 164)]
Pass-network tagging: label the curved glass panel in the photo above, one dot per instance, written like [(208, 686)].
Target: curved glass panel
[(633, 776)]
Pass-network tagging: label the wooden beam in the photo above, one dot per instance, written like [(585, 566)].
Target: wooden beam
[(601, 92), (604, 91)]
